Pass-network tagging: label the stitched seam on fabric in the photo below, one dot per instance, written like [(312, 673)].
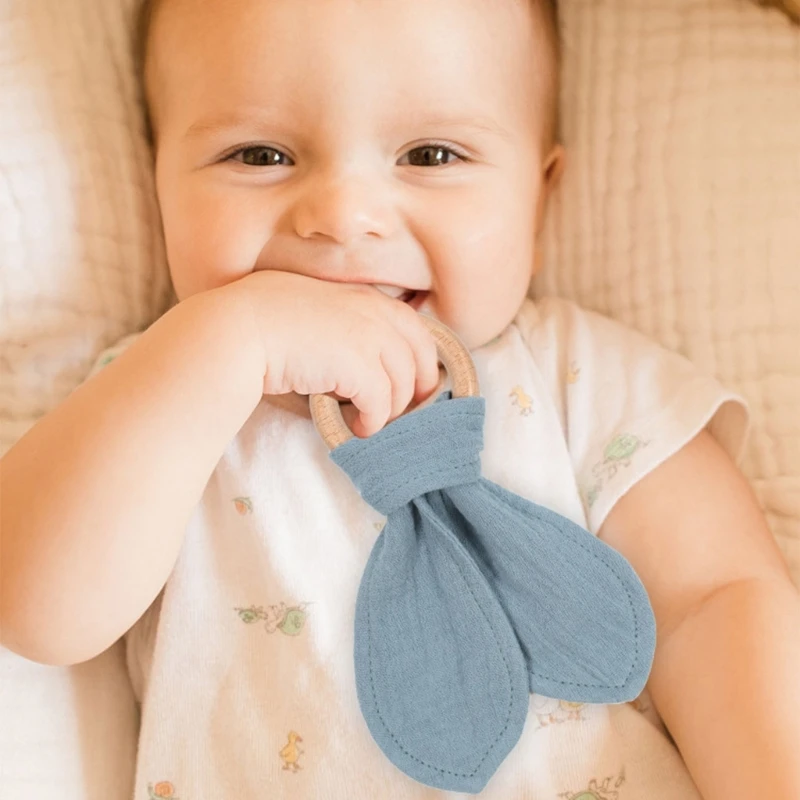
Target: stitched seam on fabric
[(424, 475), (375, 699), (630, 603)]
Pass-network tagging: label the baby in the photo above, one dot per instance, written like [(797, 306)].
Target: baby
[(328, 172)]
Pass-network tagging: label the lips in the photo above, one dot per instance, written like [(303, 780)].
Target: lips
[(413, 297)]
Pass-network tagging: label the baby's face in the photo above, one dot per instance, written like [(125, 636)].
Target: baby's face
[(391, 142)]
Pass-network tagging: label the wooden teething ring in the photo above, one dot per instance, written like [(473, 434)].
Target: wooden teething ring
[(457, 361)]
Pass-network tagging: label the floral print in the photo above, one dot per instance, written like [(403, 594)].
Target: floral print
[(244, 505), (288, 620), (162, 789)]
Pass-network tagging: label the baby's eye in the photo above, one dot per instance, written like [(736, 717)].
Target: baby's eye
[(260, 156), (431, 155)]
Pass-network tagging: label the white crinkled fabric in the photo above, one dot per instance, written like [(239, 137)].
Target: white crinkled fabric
[(81, 264), (679, 214), (81, 255)]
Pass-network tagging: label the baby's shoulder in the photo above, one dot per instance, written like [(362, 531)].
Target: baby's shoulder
[(571, 347), (625, 401), (574, 345), (556, 324)]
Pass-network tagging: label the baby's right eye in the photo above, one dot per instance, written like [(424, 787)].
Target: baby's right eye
[(261, 156)]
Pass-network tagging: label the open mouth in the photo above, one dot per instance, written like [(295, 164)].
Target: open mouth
[(412, 297)]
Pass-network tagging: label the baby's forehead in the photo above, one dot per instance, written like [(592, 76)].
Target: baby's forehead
[(187, 16), (462, 44)]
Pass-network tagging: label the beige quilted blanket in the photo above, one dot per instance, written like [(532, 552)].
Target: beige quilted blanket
[(791, 7), (680, 208), (680, 214)]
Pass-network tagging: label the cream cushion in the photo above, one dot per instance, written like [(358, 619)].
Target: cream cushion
[(679, 214)]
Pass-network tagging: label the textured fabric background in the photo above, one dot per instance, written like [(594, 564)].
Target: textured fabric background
[(679, 215), (791, 7), (81, 263), (81, 260)]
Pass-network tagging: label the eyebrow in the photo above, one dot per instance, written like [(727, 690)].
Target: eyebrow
[(228, 121), (478, 122), (232, 120)]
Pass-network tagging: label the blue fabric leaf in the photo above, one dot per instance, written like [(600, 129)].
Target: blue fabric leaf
[(472, 597)]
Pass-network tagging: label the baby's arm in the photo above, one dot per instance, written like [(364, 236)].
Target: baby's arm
[(725, 677), (97, 495)]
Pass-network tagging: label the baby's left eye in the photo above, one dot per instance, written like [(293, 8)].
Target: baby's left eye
[(260, 156), (431, 155)]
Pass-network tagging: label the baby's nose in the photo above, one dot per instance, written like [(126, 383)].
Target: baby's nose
[(342, 209)]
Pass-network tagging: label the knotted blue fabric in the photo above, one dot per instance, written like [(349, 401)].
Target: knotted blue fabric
[(473, 597)]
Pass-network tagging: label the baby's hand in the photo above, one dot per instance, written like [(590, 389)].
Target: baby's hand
[(322, 337)]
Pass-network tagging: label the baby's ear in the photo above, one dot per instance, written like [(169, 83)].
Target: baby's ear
[(552, 169)]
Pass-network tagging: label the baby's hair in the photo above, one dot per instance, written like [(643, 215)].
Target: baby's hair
[(549, 66)]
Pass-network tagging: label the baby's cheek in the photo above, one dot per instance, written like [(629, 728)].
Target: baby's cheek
[(208, 248), (483, 299)]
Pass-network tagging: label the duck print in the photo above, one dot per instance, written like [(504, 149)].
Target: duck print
[(291, 752), (573, 710), (603, 791), (288, 620), (573, 373), (522, 400), (244, 505), (550, 711), (161, 790)]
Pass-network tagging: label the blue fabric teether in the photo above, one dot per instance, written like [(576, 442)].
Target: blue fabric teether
[(473, 597)]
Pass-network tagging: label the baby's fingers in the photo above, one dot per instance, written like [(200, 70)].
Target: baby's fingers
[(423, 347), (373, 399), (398, 361)]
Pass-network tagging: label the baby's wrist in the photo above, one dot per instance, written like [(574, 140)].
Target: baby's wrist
[(222, 329)]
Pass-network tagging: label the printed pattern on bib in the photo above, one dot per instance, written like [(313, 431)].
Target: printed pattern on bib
[(278, 546)]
